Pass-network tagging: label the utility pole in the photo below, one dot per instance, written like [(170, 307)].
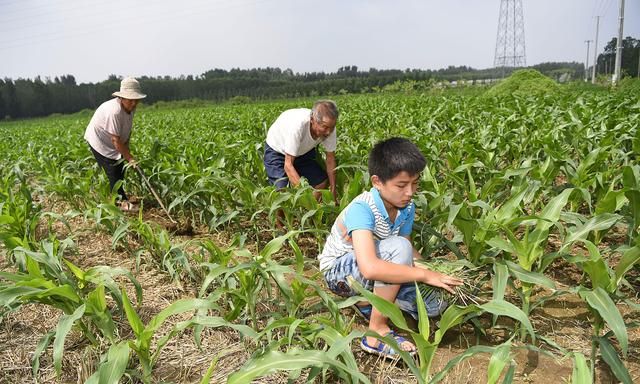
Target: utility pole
[(586, 66), (617, 74), (595, 52)]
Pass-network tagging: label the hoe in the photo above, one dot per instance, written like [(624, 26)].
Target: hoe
[(183, 229)]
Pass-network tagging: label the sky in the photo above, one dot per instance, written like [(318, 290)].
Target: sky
[(92, 39)]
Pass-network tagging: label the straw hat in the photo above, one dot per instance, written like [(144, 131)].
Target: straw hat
[(130, 89)]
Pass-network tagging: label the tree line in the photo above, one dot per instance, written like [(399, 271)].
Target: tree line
[(630, 63), (22, 98)]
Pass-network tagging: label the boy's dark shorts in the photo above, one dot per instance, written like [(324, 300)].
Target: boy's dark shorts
[(306, 166)]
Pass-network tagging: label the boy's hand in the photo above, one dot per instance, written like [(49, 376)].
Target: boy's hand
[(441, 280)]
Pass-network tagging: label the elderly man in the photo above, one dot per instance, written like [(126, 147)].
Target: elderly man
[(109, 131), (290, 149)]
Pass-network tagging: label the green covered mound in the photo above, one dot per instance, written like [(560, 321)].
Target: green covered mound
[(630, 85), (524, 82)]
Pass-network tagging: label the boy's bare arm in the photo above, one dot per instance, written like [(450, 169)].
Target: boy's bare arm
[(434, 278), (373, 268)]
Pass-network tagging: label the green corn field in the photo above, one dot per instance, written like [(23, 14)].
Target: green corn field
[(536, 195)]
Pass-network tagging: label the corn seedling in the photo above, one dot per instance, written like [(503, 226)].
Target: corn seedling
[(52, 280), (141, 345), (452, 316)]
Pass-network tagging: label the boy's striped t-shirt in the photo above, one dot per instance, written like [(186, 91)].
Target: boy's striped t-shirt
[(366, 211)]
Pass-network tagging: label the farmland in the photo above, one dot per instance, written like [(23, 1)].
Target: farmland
[(539, 193)]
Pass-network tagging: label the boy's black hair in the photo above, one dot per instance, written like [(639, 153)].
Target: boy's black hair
[(390, 157)]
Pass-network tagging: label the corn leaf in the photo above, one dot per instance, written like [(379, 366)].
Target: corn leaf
[(508, 377), (596, 268), (62, 329), (529, 277), (275, 245), (389, 309), (132, 315), (581, 373), (274, 361), (610, 356), (504, 308), (40, 348), (452, 317), (468, 353), (629, 258), (499, 359), (596, 223), (600, 300), (111, 370)]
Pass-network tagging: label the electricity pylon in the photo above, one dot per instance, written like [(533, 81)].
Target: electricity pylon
[(510, 50)]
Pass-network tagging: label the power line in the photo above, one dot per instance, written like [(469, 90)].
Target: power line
[(27, 12), (606, 8), (119, 23), (58, 15), (597, 4)]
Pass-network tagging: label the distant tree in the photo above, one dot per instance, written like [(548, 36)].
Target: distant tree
[(630, 52), (10, 97), (3, 110), (24, 98)]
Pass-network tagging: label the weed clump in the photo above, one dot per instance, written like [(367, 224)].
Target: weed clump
[(522, 83)]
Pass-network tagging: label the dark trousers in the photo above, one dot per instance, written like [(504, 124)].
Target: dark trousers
[(306, 166), (114, 170)]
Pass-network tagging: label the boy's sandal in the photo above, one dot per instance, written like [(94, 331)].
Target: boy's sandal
[(364, 311), (383, 350)]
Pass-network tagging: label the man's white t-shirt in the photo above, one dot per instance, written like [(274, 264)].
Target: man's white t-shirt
[(109, 119), (290, 134)]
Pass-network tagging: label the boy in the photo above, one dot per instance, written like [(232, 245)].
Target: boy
[(370, 242)]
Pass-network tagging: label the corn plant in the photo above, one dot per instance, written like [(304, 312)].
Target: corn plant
[(52, 280), (141, 344), (19, 215), (247, 283), (157, 243), (631, 183), (106, 216), (528, 252), (308, 334), (480, 223), (601, 299), (338, 358), (452, 316), (580, 373)]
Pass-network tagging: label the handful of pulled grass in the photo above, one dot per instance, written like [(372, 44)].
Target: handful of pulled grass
[(464, 294)]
